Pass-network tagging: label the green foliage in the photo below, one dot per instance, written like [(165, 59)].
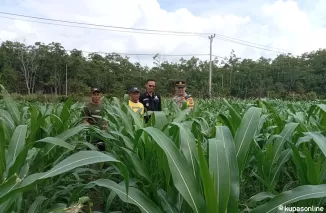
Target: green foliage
[(223, 156), (286, 77)]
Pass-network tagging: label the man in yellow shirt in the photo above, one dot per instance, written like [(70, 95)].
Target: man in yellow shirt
[(133, 102)]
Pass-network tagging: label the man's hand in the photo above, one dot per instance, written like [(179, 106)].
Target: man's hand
[(85, 121), (105, 126)]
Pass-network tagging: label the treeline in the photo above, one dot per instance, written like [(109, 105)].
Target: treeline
[(41, 68)]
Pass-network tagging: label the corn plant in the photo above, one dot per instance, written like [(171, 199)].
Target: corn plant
[(222, 156)]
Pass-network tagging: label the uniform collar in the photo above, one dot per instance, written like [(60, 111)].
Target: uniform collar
[(153, 94)]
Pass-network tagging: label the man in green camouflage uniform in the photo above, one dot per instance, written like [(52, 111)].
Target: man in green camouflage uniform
[(92, 114)]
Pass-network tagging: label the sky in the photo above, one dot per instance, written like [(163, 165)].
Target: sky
[(280, 26)]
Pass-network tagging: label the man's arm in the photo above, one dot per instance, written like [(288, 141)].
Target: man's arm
[(105, 125), (85, 115), (141, 99)]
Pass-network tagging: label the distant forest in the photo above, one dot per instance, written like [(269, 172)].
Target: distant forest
[(41, 68)]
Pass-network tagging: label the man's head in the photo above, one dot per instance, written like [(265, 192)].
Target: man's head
[(180, 88), (150, 85), (134, 94), (96, 95)]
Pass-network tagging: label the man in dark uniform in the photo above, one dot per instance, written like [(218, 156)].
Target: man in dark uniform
[(90, 114), (150, 99)]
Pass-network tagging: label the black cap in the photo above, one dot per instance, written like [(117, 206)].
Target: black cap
[(95, 90), (133, 89), (180, 83)]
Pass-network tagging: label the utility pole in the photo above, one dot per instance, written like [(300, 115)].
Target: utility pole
[(66, 80), (210, 64)]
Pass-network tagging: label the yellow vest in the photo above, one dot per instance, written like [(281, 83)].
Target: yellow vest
[(136, 107)]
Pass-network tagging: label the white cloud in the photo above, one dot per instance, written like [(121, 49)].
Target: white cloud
[(281, 24), (23, 26), (5, 35), (300, 34)]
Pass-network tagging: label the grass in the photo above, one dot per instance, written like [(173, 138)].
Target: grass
[(224, 156)]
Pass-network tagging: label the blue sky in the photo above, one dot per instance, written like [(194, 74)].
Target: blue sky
[(297, 26), (240, 7), (235, 6)]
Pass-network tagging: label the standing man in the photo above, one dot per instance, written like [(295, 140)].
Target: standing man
[(181, 96), (133, 102), (91, 113), (150, 99)]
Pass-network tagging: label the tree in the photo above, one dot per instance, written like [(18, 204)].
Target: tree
[(42, 67)]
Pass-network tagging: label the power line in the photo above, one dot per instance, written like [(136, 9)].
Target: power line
[(249, 45), (134, 30), (231, 38), (106, 26), (149, 54), (93, 28), (147, 31)]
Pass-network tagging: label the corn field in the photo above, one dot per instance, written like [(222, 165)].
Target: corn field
[(223, 156)]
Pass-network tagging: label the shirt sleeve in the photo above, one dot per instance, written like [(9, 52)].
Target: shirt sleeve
[(85, 113), (141, 99), (159, 104)]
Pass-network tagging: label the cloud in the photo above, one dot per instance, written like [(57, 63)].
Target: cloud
[(300, 34), (278, 24)]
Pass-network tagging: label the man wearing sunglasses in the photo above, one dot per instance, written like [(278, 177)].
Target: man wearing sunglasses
[(150, 99), (181, 97)]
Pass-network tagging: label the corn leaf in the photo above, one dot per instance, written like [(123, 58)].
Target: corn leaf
[(134, 196), (297, 194), (182, 172)]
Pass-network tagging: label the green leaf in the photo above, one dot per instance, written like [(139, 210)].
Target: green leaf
[(39, 200), (319, 139), (10, 105), (297, 194), (187, 144), (285, 156), (125, 120), (78, 159), (159, 119), (135, 116), (182, 172), (57, 142), (219, 167), (166, 203), (245, 134), (236, 117), (225, 135), (7, 117), (260, 196), (72, 132), (16, 145), (278, 145), (134, 196), (208, 183), (139, 167), (4, 134)]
